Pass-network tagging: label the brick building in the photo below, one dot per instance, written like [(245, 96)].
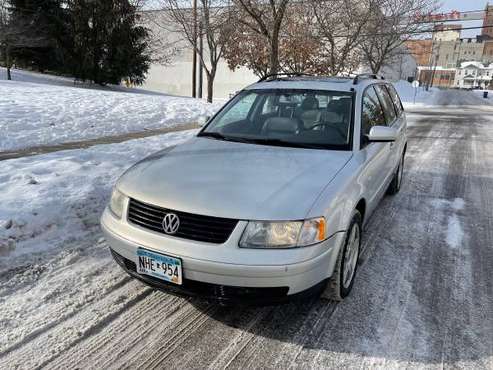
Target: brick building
[(420, 50)]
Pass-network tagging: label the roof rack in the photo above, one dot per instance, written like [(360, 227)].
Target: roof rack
[(273, 76), (367, 75)]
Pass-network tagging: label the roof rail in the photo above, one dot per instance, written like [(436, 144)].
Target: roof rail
[(274, 76), (367, 75)]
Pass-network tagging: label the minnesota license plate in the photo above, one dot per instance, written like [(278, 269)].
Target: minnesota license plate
[(159, 266)]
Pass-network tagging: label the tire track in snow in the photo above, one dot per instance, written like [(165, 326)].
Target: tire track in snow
[(127, 330), (70, 332)]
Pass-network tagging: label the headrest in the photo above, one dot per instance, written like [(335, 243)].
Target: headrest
[(310, 102), (281, 125)]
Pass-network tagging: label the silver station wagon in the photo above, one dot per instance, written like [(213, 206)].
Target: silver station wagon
[(268, 201)]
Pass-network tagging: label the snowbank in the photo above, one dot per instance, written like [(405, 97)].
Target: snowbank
[(406, 92), (45, 114), (53, 199)]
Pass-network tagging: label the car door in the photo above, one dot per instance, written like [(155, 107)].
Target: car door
[(390, 119), (400, 122), (375, 172)]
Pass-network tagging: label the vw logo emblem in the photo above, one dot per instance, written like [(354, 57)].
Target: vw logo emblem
[(171, 223)]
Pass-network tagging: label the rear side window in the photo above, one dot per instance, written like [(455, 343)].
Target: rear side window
[(395, 98), (387, 103), (372, 112)]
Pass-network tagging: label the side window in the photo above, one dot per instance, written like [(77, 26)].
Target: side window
[(395, 98), (372, 112), (387, 103)]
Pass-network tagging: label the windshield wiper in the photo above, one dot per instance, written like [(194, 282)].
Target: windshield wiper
[(285, 143), (219, 136), (262, 141)]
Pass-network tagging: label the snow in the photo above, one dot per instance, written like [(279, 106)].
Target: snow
[(421, 297), (423, 98), (45, 114), (53, 199), (455, 234)]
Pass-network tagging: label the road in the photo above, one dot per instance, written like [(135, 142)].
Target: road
[(423, 296)]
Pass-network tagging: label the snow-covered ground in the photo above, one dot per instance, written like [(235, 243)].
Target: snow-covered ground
[(34, 114), (412, 97), (50, 200)]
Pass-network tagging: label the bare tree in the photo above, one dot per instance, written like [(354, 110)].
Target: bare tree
[(340, 25), (213, 16), (392, 23), (300, 45), (265, 19)]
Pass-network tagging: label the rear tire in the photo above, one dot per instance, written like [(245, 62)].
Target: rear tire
[(396, 183), (341, 282)]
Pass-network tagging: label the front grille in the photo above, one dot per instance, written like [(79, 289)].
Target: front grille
[(194, 227)]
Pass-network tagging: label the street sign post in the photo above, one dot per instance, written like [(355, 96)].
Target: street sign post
[(415, 85)]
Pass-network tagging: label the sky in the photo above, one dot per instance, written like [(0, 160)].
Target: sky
[(465, 5)]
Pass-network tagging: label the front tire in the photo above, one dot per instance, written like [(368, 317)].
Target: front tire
[(340, 284)]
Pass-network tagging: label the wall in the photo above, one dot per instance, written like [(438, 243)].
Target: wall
[(421, 51)]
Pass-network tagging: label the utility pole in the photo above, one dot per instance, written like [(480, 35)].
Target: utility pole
[(194, 58), (430, 64), (201, 65)]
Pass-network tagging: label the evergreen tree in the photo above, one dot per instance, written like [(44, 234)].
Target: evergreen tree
[(39, 23), (108, 45)]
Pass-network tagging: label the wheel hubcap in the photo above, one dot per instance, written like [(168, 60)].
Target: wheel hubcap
[(351, 256)]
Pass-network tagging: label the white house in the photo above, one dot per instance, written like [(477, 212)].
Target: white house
[(473, 75)]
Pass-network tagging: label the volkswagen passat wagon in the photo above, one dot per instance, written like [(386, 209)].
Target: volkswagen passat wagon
[(268, 201)]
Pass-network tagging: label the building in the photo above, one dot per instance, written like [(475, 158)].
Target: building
[(176, 78), (446, 32), (488, 52), (420, 50), (449, 54), (436, 76), (470, 49), (474, 74), (488, 22)]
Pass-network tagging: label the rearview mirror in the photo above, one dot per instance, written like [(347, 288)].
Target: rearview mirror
[(382, 134)]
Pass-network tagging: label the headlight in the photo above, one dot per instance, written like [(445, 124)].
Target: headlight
[(117, 203), (292, 234)]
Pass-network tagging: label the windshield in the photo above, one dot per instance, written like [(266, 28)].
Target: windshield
[(298, 118)]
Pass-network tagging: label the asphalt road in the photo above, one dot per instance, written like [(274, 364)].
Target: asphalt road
[(423, 296)]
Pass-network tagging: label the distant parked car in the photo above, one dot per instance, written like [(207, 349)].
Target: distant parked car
[(268, 202)]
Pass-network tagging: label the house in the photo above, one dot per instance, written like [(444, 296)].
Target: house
[(472, 75)]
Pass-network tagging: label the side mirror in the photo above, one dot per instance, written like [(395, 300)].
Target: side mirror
[(382, 134), (202, 121)]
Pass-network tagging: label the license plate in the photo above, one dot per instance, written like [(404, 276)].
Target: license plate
[(159, 266)]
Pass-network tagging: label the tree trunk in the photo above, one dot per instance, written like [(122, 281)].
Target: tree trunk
[(210, 86), (274, 54), (8, 62)]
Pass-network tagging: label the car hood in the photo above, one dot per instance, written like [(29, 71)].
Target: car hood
[(234, 180)]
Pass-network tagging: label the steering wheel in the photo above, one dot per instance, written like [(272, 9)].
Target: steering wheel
[(329, 125)]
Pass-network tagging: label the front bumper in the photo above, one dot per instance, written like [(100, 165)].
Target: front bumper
[(225, 271)]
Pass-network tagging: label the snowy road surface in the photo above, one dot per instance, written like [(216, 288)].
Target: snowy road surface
[(423, 296)]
